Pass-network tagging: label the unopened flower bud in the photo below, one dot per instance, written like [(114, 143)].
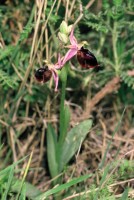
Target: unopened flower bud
[(64, 27), (69, 28), (62, 37)]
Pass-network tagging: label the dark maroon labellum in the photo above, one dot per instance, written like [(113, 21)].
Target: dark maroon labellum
[(87, 59), (43, 74)]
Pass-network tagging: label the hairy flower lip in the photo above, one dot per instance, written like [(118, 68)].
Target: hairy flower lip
[(43, 74)]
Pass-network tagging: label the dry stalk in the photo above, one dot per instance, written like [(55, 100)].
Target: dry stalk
[(111, 86)]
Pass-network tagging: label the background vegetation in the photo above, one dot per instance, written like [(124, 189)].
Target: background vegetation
[(96, 118)]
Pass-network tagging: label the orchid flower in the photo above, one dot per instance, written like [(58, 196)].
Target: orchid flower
[(44, 74), (85, 58), (54, 69), (73, 48)]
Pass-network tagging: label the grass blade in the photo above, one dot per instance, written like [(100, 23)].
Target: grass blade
[(24, 176), (110, 142), (23, 193), (8, 185), (62, 187), (31, 191), (125, 194)]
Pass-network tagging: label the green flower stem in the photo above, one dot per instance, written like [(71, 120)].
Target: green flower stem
[(62, 132), (62, 107)]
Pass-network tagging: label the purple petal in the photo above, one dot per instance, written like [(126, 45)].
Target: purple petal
[(73, 40), (59, 64), (56, 79), (69, 55)]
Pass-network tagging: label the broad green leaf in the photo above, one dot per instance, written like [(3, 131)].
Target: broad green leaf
[(51, 151), (23, 193), (125, 194), (14, 185), (66, 118), (73, 140), (30, 190), (62, 187)]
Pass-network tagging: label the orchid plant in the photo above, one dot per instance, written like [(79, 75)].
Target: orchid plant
[(73, 49), (61, 147)]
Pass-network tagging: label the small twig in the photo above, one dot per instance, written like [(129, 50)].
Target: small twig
[(89, 191), (130, 72), (89, 4), (12, 138), (122, 182), (114, 169), (129, 152), (112, 185), (80, 16), (67, 8), (130, 12), (111, 86), (104, 137), (58, 6), (81, 10), (117, 138), (46, 38), (36, 30), (71, 8), (4, 123), (40, 155)]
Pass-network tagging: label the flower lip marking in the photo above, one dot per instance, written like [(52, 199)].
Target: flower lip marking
[(86, 59), (43, 74)]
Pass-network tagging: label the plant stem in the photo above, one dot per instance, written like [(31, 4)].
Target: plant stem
[(62, 109), (62, 132)]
